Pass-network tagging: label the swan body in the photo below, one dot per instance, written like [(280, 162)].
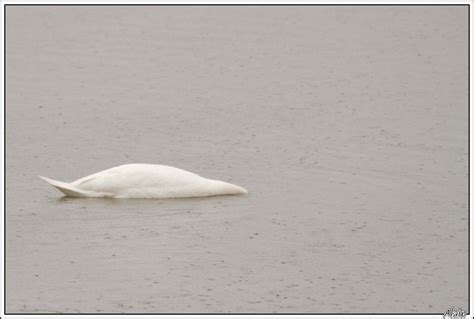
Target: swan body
[(145, 181)]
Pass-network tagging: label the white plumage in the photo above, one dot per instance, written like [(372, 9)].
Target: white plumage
[(145, 181)]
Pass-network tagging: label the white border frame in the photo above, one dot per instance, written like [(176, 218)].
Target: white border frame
[(210, 2)]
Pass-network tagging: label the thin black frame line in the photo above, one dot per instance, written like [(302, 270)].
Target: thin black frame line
[(238, 4), (220, 314), (468, 158), (468, 5)]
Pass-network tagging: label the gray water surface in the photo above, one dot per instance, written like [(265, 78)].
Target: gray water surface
[(348, 126)]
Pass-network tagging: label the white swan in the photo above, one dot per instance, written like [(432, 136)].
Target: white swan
[(145, 181)]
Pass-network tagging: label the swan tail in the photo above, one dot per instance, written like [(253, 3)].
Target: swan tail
[(66, 188)]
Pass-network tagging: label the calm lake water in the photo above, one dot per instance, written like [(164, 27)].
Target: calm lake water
[(348, 126)]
